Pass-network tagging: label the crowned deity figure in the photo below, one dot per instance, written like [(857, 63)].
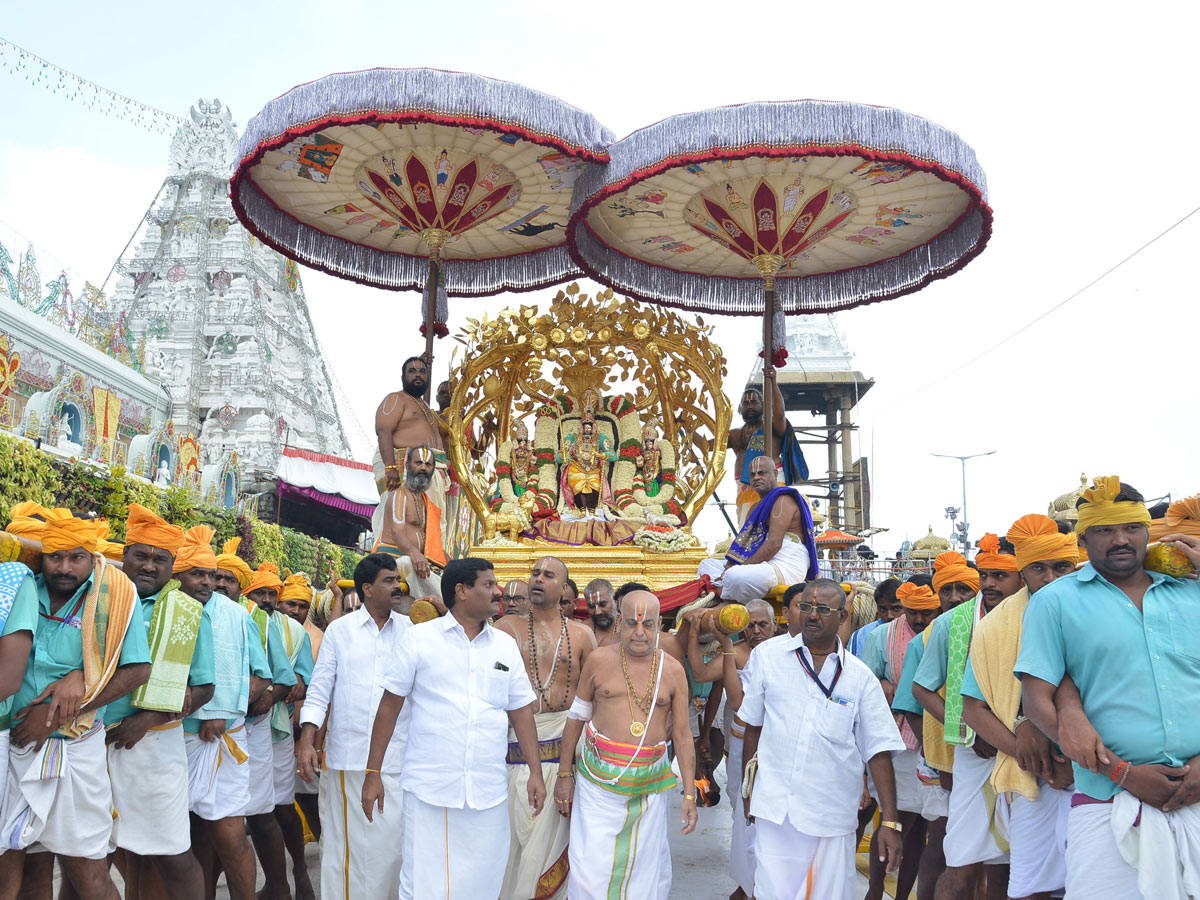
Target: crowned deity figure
[(585, 458), (649, 459), (520, 460)]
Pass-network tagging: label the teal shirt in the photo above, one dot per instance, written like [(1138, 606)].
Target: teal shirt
[(201, 671), (277, 658), (58, 646), (874, 651), (257, 660), (904, 701), (970, 687), (22, 617), (304, 660), (1138, 673), (935, 660)]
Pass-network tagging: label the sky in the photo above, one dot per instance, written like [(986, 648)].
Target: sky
[(1081, 119)]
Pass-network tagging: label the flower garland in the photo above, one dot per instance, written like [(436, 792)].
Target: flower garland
[(662, 539), (545, 450), (629, 445)]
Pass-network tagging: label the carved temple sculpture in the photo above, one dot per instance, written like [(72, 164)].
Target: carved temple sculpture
[(627, 416)]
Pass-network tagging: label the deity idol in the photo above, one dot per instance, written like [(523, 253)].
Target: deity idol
[(649, 459), (585, 458), (521, 462)]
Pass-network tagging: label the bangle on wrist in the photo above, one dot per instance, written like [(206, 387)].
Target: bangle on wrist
[(691, 797), (1018, 722), (562, 774), (374, 772)]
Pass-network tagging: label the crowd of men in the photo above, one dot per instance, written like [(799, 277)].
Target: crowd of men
[(1019, 722)]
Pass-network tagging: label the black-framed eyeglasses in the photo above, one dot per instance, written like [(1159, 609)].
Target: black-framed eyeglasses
[(822, 610)]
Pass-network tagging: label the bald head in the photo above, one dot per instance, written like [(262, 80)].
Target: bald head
[(639, 623), (763, 474), (547, 582)]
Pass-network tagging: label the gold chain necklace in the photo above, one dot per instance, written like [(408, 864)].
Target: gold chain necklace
[(636, 728)]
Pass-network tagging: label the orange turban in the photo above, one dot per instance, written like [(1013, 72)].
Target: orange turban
[(28, 520), (989, 556), (950, 567), (196, 551), (1183, 517), (63, 531), (231, 562), (109, 549), (267, 576), (144, 527), (1101, 506), (917, 596), (1037, 540), (296, 588)]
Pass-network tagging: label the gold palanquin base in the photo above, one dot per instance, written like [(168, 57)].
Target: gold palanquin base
[(618, 564)]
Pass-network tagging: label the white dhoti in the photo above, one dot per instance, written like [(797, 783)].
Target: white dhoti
[(218, 774), (1128, 850), (742, 583), (359, 859), (303, 787), (795, 866), (618, 845), (537, 853), (283, 758), (931, 801), (452, 853), (58, 799), (150, 794), (261, 765), (418, 587), (741, 838), (4, 736), (1037, 838), (977, 831)]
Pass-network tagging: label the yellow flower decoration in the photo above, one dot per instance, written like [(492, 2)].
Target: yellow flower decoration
[(641, 330), (558, 335), (578, 335), (539, 342)]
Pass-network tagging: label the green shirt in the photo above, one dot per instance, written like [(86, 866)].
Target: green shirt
[(1137, 672), (201, 671), (58, 645), (22, 617)]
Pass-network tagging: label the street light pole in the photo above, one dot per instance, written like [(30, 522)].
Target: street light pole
[(965, 521)]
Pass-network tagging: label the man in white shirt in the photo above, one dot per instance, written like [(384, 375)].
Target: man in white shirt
[(359, 857), (464, 682), (814, 715)]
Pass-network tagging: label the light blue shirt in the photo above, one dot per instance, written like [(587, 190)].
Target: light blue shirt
[(860, 640), (904, 701), (22, 617), (237, 649), (1137, 672), (935, 660)]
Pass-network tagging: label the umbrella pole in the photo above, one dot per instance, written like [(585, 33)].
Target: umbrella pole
[(435, 240), (769, 264)]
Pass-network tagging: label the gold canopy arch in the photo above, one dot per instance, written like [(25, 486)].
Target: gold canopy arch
[(663, 364)]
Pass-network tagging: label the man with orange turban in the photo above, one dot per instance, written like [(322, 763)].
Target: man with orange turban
[(919, 797), (972, 838), (144, 728), (1130, 641), (215, 734), (85, 655), (27, 519), (18, 624), (1027, 776)]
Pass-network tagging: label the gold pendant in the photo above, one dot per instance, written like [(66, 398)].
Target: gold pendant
[(637, 729)]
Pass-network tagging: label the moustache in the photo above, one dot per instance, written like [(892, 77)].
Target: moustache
[(603, 621)]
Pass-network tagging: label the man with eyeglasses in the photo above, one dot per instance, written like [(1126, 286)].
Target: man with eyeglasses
[(815, 715), (515, 601)]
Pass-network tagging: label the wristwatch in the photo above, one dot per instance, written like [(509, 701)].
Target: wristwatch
[(895, 826)]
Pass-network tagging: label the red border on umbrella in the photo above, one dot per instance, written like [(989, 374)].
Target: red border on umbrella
[(679, 160)]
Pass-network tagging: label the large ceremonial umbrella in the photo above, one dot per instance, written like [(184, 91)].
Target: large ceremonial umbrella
[(379, 176), (805, 206)]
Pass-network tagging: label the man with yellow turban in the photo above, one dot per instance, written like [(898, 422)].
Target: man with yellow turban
[(1130, 641), (27, 519), (144, 728), (85, 655), (18, 624), (1025, 777), (233, 578), (920, 799), (215, 734), (973, 839)]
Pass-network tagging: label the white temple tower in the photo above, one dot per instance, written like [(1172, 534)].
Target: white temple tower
[(224, 320)]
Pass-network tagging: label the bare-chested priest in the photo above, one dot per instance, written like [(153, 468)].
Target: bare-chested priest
[(411, 529), (403, 421), (632, 697), (554, 648)]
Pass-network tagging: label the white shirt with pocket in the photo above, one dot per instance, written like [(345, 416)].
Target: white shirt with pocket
[(812, 748), (460, 692)]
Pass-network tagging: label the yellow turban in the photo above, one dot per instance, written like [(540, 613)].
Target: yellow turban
[(196, 551), (1037, 539), (231, 562), (63, 531), (1183, 517), (28, 520), (296, 587), (1101, 506), (917, 596), (989, 556), (267, 576), (110, 549), (144, 527), (951, 567)]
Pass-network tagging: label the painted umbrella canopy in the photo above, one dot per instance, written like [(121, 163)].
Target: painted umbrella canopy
[(804, 206), (377, 176)]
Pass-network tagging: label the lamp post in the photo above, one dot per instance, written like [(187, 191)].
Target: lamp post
[(964, 526)]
